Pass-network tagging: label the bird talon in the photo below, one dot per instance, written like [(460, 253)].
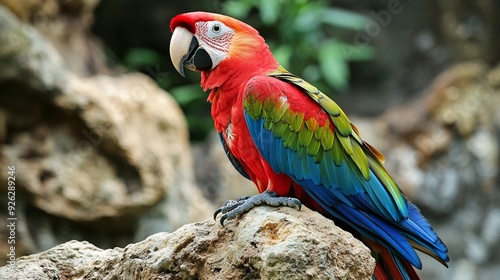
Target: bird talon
[(242, 198), (229, 206), (217, 213), (233, 208), (222, 219)]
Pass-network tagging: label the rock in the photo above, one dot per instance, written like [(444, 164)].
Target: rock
[(454, 148), (66, 24), (468, 30), (102, 158), (22, 9), (29, 56), (491, 228), (265, 243), (465, 270)]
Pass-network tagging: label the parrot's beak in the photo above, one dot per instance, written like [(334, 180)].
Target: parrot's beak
[(186, 52), (182, 47)]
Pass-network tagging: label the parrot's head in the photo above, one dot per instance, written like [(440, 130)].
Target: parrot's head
[(216, 45)]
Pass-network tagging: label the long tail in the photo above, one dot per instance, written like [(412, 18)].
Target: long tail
[(392, 243), (389, 266), (392, 265)]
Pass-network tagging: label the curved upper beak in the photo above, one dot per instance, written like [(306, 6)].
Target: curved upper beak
[(183, 46)]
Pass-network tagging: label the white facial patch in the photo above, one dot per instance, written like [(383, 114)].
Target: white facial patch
[(215, 38)]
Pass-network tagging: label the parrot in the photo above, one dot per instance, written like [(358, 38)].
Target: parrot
[(297, 145)]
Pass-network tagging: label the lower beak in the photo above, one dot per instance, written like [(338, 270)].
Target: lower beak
[(185, 52)]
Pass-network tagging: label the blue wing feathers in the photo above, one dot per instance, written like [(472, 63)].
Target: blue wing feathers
[(282, 157), (314, 170), (338, 185), (291, 162), (376, 169), (420, 222), (273, 152), (328, 177), (369, 225), (421, 232), (325, 175)]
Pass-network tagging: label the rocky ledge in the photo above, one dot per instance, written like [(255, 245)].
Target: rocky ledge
[(265, 243)]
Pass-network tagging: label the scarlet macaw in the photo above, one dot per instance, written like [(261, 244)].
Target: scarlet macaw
[(297, 145)]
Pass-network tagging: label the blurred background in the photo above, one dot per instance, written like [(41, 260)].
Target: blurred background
[(111, 145)]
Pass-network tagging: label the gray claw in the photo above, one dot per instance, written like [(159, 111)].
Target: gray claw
[(232, 208)]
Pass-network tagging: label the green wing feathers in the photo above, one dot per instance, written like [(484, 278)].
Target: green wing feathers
[(344, 140)]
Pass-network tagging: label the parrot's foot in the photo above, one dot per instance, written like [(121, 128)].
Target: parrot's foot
[(233, 208)]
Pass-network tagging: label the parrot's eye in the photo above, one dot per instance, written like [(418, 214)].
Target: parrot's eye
[(217, 29)]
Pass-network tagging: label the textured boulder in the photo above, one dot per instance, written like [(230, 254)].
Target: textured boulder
[(93, 154), (265, 243), (66, 24)]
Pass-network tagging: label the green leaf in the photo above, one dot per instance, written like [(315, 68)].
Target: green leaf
[(343, 18), (283, 54), (333, 65), (238, 9), (140, 57), (308, 19), (311, 73), (356, 53), (269, 11), (186, 94)]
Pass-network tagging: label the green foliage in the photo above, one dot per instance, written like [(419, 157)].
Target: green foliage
[(333, 65), (308, 38), (184, 95), (137, 58)]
